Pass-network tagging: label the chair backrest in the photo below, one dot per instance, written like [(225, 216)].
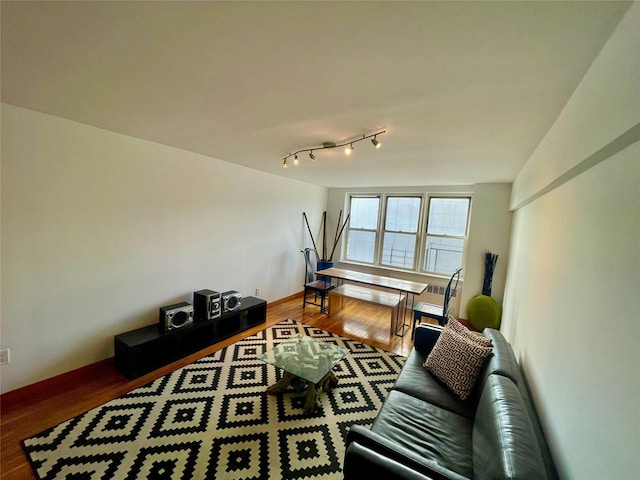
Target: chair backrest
[(450, 292), (311, 264)]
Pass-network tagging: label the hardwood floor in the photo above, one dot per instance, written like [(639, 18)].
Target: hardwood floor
[(28, 411)]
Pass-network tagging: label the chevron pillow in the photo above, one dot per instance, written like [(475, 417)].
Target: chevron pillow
[(457, 327), (456, 361)]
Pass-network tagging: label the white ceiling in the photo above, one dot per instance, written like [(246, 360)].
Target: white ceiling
[(465, 90)]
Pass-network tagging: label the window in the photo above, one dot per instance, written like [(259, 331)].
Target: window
[(400, 233), (446, 234), (362, 230), (412, 232)]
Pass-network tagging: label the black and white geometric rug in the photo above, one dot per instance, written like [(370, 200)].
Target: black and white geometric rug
[(212, 419)]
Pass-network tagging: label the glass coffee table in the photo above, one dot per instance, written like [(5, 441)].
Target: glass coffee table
[(307, 364)]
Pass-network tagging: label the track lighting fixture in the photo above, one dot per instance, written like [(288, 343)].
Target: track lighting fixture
[(348, 150)]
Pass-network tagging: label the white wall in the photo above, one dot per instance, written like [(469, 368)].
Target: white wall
[(489, 229), (571, 300), (99, 230)]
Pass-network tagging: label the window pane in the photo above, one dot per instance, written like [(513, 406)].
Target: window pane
[(443, 255), (360, 246), (402, 214), (364, 212), (448, 216), (398, 249)]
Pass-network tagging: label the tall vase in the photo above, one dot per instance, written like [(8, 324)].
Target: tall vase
[(490, 260), (486, 284)]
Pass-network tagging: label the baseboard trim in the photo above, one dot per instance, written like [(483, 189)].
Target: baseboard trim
[(284, 299), (57, 384)]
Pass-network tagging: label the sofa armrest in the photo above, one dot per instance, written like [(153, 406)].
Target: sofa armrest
[(362, 462), (369, 453), (425, 337)]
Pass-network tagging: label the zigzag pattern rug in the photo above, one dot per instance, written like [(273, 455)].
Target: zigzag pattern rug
[(212, 419)]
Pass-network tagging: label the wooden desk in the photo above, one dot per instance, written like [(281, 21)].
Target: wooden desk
[(407, 287)]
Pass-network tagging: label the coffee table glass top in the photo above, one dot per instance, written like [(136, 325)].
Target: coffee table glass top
[(305, 357)]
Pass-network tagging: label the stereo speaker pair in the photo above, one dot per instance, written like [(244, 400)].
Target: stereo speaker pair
[(210, 304)]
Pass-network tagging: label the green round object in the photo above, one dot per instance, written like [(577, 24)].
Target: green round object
[(483, 311)]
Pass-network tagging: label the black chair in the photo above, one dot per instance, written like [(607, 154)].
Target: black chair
[(312, 286), (437, 312)]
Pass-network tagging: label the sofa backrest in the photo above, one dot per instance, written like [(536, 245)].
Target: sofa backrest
[(505, 445), (502, 362)]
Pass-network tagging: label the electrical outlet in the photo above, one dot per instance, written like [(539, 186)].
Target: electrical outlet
[(4, 356), (257, 291)]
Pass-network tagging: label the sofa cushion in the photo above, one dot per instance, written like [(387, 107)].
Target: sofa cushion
[(416, 381), (436, 434), (457, 360), (504, 442)]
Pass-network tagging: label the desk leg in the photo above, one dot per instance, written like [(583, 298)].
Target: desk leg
[(412, 324), (400, 316)]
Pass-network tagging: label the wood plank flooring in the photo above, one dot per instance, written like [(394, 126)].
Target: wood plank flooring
[(28, 411)]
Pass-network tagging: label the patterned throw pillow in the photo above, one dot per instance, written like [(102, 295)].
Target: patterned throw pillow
[(456, 360), (457, 327)]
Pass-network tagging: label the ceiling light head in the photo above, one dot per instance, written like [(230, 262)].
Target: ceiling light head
[(348, 150)]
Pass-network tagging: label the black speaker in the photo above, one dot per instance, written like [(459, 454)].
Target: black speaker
[(175, 316), (207, 305), (231, 301)]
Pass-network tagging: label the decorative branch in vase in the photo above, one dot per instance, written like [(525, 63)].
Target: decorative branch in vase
[(490, 260), (326, 262)]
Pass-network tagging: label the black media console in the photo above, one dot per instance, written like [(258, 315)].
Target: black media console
[(143, 350)]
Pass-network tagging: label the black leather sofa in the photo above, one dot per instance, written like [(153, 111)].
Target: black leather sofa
[(424, 431)]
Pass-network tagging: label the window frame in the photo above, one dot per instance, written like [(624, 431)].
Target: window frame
[(349, 229), (416, 234), (421, 234), (464, 238)]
